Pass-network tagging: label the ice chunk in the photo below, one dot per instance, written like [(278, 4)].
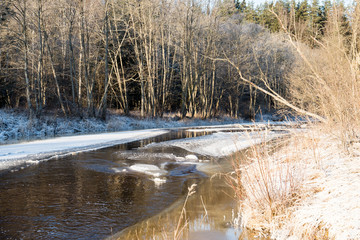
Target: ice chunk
[(180, 159), (183, 170), (218, 144), (204, 161), (33, 162), (163, 165), (191, 158), (119, 170), (159, 181), (135, 155), (148, 169)]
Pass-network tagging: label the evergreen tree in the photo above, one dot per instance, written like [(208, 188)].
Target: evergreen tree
[(267, 18), (302, 11), (251, 14), (241, 6), (318, 17)]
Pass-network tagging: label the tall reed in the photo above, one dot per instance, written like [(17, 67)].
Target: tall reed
[(268, 179)]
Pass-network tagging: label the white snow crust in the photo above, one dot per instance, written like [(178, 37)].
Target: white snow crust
[(138, 156), (15, 125), (27, 153), (333, 202), (148, 169), (218, 144), (191, 158)]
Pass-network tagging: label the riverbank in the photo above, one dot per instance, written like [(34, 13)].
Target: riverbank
[(33, 152), (308, 189), (15, 125)]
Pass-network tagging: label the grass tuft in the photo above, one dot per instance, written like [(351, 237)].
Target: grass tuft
[(267, 183)]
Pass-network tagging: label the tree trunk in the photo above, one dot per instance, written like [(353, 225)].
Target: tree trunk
[(26, 51), (55, 75), (103, 104)]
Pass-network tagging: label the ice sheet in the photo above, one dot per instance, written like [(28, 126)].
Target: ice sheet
[(148, 169), (23, 153), (219, 144)]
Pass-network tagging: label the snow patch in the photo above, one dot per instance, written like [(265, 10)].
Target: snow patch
[(180, 159), (191, 158), (158, 181), (135, 155), (148, 169), (119, 170), (218, 144)]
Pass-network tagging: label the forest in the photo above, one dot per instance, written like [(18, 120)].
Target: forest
[(159, 56), (75, 67)]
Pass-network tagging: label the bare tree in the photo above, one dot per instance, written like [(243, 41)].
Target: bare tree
[(21, 18), (103, 103)]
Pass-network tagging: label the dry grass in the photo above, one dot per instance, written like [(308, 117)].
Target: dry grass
[(332, 91), (267, 183), (327, 79), (307, 189)]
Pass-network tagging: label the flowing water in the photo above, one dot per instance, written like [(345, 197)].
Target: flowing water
[(82, 197), (91, 195)]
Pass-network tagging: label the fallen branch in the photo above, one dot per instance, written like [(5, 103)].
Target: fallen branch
[(270, 92)]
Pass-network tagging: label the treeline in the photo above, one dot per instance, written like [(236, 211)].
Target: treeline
[(152, 56), (306, 20)]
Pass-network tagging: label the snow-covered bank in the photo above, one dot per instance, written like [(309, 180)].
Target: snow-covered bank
[(27, 153), (330, 206), (306, 190), (219, 144), (15, 126)]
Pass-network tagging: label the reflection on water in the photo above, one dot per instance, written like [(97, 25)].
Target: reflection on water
[(209, 211), (81, 197), (57, 200)]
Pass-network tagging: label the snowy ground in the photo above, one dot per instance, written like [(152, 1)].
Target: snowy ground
[(330, 207), (15, 126), (219, 144), (320, 179)]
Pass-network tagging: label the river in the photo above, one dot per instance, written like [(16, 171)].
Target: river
[(93, 195)]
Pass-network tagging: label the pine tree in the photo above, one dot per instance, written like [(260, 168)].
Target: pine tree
[(267, 18), (302, 11)]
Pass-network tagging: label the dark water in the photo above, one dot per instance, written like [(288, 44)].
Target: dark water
[(82, 197)]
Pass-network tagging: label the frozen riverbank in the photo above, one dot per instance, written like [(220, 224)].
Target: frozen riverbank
[(308, 189), (330, 206), (219, 144), (15, 126), (30, 152)]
